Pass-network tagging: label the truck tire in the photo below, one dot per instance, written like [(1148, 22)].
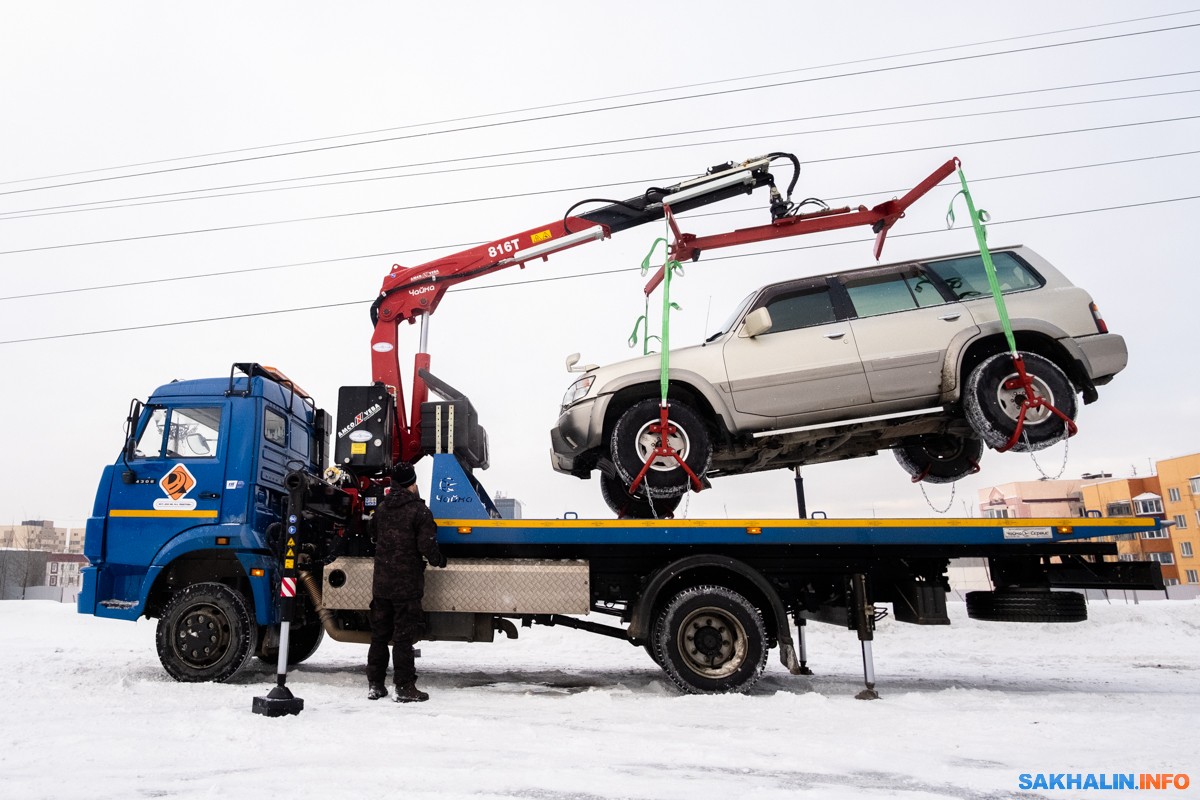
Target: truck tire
[(635, 506), (992, 410), (939, 457), (206, 633), (1026, 605), (711, 640), (302, 643), (632, 442)]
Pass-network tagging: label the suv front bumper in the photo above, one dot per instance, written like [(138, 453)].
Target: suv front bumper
[(577, 433)]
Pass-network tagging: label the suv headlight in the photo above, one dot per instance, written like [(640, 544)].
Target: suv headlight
[(578, 390)]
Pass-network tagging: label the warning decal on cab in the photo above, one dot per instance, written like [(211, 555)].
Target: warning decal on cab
[(175, 485)]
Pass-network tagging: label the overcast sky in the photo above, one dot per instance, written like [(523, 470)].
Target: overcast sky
[(871, 97)]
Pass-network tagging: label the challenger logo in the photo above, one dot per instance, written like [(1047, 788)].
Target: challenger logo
[(178, 482)]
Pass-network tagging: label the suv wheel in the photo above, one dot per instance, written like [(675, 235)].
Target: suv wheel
[(939, 457), (633, 442), (635, 506), (992, 410)]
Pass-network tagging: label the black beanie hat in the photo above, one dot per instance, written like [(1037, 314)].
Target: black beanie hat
[(403, 474)]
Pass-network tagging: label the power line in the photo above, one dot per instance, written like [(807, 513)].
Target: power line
[(173, 197), (613, 96), (703, 95), (459, 245), (581, 275), (348, 214)]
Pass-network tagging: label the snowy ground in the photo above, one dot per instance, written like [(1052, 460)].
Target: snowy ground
[(88, 712)]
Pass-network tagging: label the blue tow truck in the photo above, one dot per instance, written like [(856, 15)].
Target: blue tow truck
[(189, 527), (227, 518)]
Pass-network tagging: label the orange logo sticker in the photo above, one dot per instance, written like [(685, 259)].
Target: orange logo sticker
[(178, 482)]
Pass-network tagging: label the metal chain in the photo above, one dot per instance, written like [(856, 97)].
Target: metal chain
[(1061, 470), (932, 507)]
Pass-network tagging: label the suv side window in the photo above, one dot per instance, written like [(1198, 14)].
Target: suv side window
[(967, 277), (801, 309), (885, 293)]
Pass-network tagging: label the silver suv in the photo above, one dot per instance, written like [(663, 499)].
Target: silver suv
[(909, 357)]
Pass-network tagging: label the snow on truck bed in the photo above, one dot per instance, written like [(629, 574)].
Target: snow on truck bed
[(966, 709)]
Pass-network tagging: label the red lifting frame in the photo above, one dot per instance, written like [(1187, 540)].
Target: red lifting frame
[(688, 246)]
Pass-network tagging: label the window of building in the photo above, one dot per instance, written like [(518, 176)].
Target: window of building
[(1173, 494), (1181, 521), (1185, 549), (996, 513), (1125, 557), (1149, 505), (1194, 483), (1121, 508), (1192, 576), (1162, 558), (1154, 534), (1170, 581)]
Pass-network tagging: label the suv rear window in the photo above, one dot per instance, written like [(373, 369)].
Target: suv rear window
[(967, 278)]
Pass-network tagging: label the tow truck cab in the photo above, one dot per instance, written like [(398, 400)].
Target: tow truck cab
[(196, 489)]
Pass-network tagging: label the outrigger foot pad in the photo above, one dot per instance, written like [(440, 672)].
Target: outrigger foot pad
[(279, 702)]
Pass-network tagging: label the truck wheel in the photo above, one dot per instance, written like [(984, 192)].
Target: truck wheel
[(1026, 605), (635, 506), (992, 410), (302, 643), (632, 443), (206, 633), (710, 640), (939, 457)]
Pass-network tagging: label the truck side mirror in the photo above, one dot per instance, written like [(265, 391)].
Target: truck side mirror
[(757, 322)]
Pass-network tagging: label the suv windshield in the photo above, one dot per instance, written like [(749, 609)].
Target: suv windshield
[(732, 318)]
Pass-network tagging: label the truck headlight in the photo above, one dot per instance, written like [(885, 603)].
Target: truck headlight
[(578, 390)]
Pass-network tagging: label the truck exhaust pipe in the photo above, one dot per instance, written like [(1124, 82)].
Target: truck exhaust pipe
[(327, 619)]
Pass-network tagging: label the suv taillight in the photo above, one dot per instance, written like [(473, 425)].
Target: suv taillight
[(1096, 315)]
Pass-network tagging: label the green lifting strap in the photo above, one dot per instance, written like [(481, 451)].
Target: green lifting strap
[(977, 219), (664, 358)]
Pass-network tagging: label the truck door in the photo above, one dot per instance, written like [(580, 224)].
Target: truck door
[(178, 473)]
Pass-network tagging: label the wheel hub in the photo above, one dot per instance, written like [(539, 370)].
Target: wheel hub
[(202, 637), (712, 642), (1010, 396), (649, 438)]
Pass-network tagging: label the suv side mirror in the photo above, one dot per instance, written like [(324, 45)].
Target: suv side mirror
[(757, 322)]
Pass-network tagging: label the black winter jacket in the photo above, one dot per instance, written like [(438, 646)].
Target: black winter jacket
[(404, 530)]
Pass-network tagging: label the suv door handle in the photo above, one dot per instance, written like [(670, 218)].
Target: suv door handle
[(209, 495), (835, 335), (950, 317)]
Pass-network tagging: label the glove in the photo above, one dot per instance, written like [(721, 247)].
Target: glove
[(439, 563)]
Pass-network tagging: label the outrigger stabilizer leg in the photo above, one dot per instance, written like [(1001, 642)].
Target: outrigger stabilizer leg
[(280, 701), (864, 620)]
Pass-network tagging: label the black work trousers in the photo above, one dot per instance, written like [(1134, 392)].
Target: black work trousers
[(395, 622)]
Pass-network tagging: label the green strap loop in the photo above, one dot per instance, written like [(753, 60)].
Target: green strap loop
[(978, 218)]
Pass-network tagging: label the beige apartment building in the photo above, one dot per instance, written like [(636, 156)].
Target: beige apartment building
[(40, 534), (1171, 495)]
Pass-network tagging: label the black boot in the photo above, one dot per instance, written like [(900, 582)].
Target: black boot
[(376, 691), (409, 693)]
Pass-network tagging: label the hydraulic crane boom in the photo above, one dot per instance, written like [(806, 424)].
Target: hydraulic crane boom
[(409, 293)]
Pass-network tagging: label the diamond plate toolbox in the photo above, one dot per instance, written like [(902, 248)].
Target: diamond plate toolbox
[(478, 585)]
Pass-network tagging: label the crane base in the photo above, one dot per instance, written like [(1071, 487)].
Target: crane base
[(279, 702)]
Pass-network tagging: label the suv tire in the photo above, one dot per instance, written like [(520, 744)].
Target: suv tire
[(992, 410), (635, 506), (632, 442), (939, 457)]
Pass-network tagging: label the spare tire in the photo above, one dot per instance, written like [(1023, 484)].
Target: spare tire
[(1026, 605)]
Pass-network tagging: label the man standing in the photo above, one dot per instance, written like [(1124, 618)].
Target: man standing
[(403, 530)]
